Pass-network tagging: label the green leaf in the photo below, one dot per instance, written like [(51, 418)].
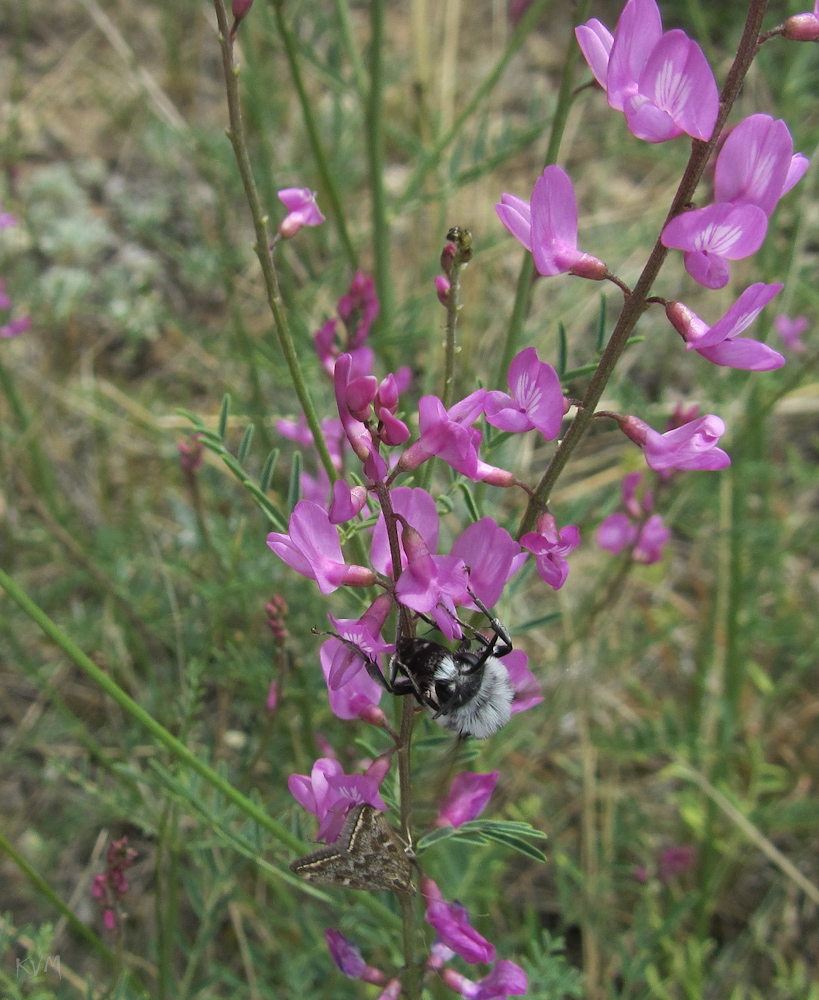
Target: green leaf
[(267, 471), (223, 416), (294, 486), (245, 445), (436, 837)]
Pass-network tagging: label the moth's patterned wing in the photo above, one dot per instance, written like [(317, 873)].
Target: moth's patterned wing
[(366, 855)]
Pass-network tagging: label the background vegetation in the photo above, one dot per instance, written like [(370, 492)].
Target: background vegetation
[(681, 699)]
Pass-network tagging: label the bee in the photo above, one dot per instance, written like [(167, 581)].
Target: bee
[(468, 691)]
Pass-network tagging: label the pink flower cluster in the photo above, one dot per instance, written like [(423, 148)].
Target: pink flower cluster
[(636, 527), (755, 168), (455, 936), (109, 888), (661, 81)]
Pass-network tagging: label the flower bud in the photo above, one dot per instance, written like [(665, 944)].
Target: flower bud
[(802, 28)]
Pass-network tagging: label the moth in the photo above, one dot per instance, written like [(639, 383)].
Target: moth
[(366, 855)]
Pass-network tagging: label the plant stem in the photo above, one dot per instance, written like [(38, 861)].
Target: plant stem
[(177, 749), (523, 293), (382, 271), (238, 140), (313, 135), (635, 303)]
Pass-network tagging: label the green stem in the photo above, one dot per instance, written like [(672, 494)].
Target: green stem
[(382, 271), (43, 477), (177, 749), (635, 303), (238, 140), (40, 884), (313, 134), (523, 294), (430, 161)]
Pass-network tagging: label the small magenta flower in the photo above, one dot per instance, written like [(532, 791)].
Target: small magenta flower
[(416, 507), (15, 327), (692, 446), (358, 434), (312, 548), (712, 236), (528, 691), (506, 979), (719, 343), (757, 165), (674, 861), (619, 531), (362, 633), (550, 548), (467, 798), (302, 210), (661, 82), (451, 921), (492, 558), (791, 330), (347, 959), (537, 399), (548, 228), (448, 434), (329, 794), (358, 309), (432, 584)]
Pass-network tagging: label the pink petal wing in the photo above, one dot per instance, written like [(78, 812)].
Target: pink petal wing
[(708, 269), (799, 164), (741, 314), (514, 213), (595, 41), (749, 355), (554, 220), (639, 29), (754, 163), (699, 105), (648, 122), (732, 231)]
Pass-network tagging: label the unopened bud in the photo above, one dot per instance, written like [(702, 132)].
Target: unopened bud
[(590, 267), (801, 28)]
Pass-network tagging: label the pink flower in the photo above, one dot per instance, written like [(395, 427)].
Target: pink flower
[(505, 979), (302, 210), (720, 343), (550, 549), (549, 227), (536, 402), (790, 330), (692, 446), (492, 557), (432, 584), (674, 861), (712, 236), (619, 531), (756, 165), (661, 82), (347, 959), (418, 508), (449, 435), (359, 309), (345, 954), (15, 327), (329, 794), (363, 633), (312, 548), (451, 921), (528, 692), (467, 798)]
